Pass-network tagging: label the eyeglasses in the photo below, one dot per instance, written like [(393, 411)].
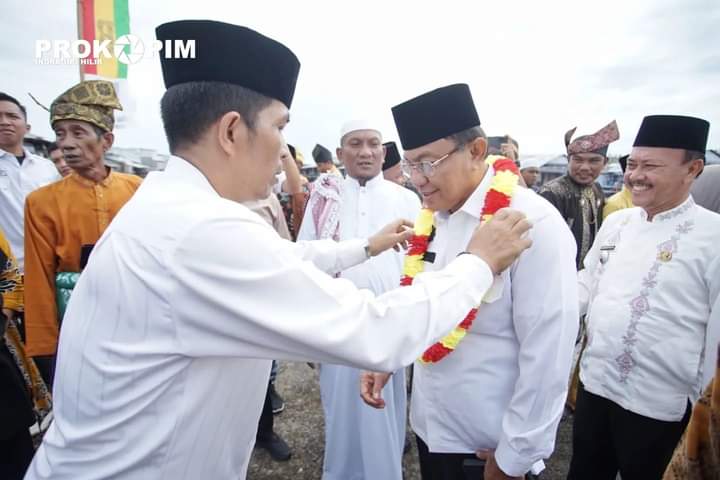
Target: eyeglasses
[(426, 167)]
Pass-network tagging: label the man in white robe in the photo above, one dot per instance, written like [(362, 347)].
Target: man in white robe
[(164, 355), (650, 288), (503, 388), (362, 442)]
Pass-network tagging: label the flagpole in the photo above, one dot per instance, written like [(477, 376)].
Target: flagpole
[(80, 33)]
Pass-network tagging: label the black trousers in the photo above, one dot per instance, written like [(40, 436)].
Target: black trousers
[(444, 466), (608, 439), (266, 423), (46, 366), (16, 453)]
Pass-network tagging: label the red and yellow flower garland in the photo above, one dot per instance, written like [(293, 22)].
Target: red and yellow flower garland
[(502, 189)]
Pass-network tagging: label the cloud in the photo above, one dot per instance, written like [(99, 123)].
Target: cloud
[(535, 68)]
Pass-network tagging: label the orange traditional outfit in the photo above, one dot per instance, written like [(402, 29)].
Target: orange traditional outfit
[(59, 219)]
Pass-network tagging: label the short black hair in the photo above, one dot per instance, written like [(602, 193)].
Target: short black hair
[(52, 146), (4, 97), (466, 136), (188, 109), (691, 155)]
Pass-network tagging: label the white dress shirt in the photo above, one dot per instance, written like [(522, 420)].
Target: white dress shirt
[(16, 182), (163, 359), (652, 290), (362, 442), (504, 386)]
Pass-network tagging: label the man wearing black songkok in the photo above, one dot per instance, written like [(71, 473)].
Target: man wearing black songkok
[(651, 290), (166, 342)]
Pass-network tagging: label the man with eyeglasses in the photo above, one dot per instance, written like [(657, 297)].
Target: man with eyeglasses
[(360, 442), (577, 195), (502, 389)]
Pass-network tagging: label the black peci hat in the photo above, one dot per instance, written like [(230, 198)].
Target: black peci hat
[(232, 54)]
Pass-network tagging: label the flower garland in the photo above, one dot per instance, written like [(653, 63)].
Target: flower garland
[(502, 189)]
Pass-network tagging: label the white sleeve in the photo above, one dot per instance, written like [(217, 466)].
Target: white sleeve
[(331, 256), (712, 334), (327, 255), (256, 298), (588, 275), (545, 317)]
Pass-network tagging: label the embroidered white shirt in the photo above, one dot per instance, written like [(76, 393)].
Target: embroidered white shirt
[(651, 289)]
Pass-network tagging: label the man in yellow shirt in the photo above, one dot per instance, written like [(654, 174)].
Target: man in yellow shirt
[(65, 219), (623, 198)]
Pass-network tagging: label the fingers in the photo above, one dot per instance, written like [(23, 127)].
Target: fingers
[(521, 226), (483, 454), (404, 222), (367, 390), (509, 217)]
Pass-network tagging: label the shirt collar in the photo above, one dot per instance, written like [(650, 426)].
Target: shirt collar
[(28, 154), (370, 184), (86, 182), (681, 209), (476, 201), (183, 170)]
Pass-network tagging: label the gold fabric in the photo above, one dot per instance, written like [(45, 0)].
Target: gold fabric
[(92, 101), (697, 456)]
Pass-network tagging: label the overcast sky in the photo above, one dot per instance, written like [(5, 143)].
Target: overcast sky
[(535, 69)]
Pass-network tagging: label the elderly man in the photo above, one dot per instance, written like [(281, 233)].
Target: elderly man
[(167, 340), (577, 195), (650, 287), (65, 219), (498, 382), (21, 172), (360, 442)]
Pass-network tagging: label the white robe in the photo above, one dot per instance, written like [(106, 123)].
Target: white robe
[(504, 387), (360, 441), (652, 292), (165, 349)]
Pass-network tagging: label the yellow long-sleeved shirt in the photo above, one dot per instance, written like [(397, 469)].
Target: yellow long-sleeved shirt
[(59, 219), (619, 201), (11, 285)]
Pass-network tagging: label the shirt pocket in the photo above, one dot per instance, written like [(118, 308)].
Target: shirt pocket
[(4, 180)]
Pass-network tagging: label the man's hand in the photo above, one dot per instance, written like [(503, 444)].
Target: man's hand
[(492, 471), (9, 314), (501, 240), (509, 150), (371, 385), (394, 234)]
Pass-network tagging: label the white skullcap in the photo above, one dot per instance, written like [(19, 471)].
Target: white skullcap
[(360, 124), (532, 161)]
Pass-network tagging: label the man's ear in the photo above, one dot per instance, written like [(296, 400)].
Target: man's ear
[(231, 129), (478, 148), (108, 138), (338, 153), (695, 168)]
